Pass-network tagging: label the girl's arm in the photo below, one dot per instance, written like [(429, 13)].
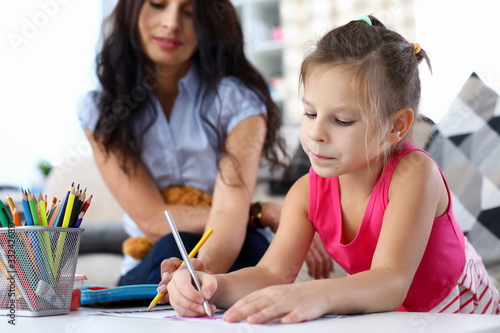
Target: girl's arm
[(141, 199), (232, 194), (417, 196), (280, 264)]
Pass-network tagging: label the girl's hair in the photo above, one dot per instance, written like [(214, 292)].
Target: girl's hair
[(384, 67), (126, 76)]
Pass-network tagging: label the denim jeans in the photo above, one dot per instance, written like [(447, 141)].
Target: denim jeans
[(149, 271)]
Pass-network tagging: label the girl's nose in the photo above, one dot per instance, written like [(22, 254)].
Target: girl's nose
[(318, 132)]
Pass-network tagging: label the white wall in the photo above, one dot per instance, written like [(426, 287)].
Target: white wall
[(47, 49), (461, 36)]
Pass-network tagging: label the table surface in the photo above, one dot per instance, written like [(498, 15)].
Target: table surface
[(90, 320)]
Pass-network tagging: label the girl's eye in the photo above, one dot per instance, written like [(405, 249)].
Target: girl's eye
[(344, 123), (309, 114)]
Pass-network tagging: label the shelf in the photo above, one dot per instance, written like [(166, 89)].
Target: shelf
[(261, 22), (269, 47)]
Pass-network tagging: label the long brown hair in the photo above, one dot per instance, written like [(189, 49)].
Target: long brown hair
[(124, 74)]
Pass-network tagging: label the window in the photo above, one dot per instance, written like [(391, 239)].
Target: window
[(48, 49)]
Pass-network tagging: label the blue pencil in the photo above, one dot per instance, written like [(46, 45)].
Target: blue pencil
[(26, 208)]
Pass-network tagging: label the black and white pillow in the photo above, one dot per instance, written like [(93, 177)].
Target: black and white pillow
[(466, 145)]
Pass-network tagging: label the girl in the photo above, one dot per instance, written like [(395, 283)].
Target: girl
[(380, 205)]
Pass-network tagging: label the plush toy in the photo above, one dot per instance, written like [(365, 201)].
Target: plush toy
[(139, 247)]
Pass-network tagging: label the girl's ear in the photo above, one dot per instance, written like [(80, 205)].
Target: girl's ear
[(401, 123)]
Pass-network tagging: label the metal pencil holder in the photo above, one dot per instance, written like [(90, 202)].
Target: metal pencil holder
[(37, 269)]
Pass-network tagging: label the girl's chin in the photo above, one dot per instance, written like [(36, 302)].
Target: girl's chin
[(324, 172)]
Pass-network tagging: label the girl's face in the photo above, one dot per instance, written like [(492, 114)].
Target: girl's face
[(167, 32), (333, 132)]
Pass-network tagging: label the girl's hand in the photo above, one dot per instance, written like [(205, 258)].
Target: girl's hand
[(185, 298), (168, 267), (319, 262), (292, 303)]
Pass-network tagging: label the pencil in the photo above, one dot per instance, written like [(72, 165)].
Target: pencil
[(12, 206), (60, 214), (17, 220), (191, 255), (43, 213), (33, 208), (185, 257), (26, 207), (69, 208), (50, 210), (53, 216)]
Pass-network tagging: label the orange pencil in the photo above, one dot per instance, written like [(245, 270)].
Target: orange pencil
[(17, 220)]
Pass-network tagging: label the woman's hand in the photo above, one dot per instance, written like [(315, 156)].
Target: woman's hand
[(292, 303), (271, 213), (185, 298), (319, 262), (168, 267)]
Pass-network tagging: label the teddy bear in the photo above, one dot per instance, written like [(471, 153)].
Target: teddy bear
[(139, 247)]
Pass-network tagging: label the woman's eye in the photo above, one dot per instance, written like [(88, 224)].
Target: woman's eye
[(344, 123), (157, 5)]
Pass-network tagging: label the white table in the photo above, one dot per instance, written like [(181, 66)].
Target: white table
[(88, 320)]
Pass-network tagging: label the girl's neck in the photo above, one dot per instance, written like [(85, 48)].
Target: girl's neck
[(360, 183)]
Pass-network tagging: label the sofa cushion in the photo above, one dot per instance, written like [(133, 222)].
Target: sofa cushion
[(102, 236), (466, 145)]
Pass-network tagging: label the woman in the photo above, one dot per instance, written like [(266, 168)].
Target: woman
[(179, 106)]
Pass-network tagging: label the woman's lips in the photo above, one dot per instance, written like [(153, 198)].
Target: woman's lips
[(168, 43)]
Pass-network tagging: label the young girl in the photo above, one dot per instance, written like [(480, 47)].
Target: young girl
[(380, 204)]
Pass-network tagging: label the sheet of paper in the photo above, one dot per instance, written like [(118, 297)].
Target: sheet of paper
[(159, 312), (166, 312)]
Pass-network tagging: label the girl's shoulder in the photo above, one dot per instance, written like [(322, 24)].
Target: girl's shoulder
[(415, 167)]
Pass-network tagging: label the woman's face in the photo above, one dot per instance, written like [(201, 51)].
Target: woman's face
[(166, 31)]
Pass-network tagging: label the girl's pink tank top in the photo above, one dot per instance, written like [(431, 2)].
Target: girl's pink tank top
[(444, 257)]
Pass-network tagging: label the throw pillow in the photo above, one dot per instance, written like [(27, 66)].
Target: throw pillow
[(466, 146)]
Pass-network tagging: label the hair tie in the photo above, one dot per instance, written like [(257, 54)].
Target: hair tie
[(416, 47), (366, 19)]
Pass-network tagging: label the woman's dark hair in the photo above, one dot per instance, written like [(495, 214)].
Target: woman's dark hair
[(384, 65), (125, 74)]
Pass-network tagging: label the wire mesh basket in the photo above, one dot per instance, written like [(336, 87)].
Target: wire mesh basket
[(37, 269)]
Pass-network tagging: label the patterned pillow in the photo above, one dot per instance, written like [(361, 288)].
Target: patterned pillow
[(466, 145)]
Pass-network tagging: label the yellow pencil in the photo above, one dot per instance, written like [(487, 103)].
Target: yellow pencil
[(43, 212), (191, 255), (11, 203), (69, 208)]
